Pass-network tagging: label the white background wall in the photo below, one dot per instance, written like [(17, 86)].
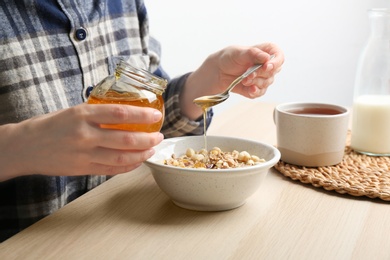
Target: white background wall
[(322, 40)]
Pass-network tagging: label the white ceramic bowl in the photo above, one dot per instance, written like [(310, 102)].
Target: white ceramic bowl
[(210, 189)]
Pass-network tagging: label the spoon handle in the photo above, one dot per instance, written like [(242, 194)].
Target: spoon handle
[(251, 70), (246, 74)]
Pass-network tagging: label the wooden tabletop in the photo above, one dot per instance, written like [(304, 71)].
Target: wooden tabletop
[(129, 217)]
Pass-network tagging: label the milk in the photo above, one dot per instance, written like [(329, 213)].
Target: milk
[(371, 124)]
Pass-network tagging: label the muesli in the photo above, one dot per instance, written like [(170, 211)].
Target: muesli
[(213, 159)]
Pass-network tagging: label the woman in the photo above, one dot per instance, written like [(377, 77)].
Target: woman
[(53, 52)]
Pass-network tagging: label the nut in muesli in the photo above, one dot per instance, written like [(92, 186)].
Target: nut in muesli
[(213, 159)]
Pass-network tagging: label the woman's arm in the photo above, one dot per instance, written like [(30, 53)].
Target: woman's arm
[(73, 138)]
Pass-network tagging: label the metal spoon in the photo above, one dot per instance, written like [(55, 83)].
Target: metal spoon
[(212, 100)]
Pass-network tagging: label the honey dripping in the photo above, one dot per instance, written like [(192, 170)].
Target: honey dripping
[(205, 106), (114, 97)]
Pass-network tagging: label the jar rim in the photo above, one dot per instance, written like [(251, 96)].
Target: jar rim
[(142, 76)]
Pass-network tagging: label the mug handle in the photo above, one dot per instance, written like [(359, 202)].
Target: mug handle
[(274, 115)]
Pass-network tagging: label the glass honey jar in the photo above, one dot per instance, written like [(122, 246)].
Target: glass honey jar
[(131, 86)]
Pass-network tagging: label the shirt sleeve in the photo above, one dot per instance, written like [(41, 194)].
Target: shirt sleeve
[(175, 124)]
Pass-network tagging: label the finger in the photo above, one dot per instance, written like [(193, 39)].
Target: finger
[(253, 91), (272, 50), (263, 82), (120, 114), (127, 140), (259, 81), (112, 157), (269, 69), (254, 56), (100, 169), (272, 66), (256, 89), (257, 92)]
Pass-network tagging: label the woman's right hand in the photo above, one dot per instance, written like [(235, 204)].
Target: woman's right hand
[(71, 142)]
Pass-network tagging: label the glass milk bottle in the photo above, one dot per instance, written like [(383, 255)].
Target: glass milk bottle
[(371, 104), (131, 86)]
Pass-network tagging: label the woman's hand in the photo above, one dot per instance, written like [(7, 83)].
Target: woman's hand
[(71, 142), (234, 61), (224, 66)]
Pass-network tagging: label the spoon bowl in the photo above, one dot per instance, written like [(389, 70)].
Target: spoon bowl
[(212, 100)]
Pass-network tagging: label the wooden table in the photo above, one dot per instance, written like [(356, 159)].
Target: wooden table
[(128, 217)]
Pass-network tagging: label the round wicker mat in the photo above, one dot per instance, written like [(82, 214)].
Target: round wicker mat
[(357, 175)]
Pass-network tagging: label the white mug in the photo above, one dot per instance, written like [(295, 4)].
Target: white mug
[(311, 134)]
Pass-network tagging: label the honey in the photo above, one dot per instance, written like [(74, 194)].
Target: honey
[(205, 106), (131, 86), (113, 97)]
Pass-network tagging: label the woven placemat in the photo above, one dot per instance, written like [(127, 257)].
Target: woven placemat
[(357, 175)]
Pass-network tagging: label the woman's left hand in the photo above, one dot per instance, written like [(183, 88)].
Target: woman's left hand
[(234, 61), (221, 68)]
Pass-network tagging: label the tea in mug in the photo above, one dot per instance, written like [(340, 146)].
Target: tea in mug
[(313, 111)]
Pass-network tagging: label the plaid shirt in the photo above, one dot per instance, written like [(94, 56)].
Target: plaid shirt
[(51, 52)]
